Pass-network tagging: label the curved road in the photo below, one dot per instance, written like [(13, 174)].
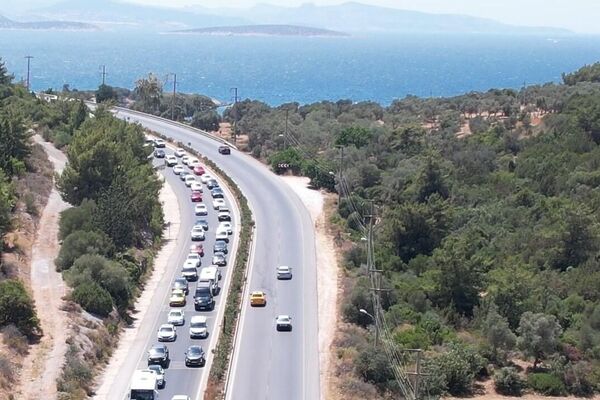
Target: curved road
[(267, 364)]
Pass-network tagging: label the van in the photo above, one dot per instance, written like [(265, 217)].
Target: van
[(210, 276), (198, 327)]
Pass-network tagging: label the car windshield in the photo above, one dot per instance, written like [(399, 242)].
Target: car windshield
[(198, 229), (157, 351), (175, 313), (155, 368), (166, 329), (194, 351), (198, 324)]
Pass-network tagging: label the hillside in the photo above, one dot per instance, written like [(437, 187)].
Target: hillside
[(264, 30), (6, 23)]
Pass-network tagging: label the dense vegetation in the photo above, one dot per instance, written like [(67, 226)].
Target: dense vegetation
[(488, 241)]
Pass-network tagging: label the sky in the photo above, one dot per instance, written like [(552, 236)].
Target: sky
[(576, 15)]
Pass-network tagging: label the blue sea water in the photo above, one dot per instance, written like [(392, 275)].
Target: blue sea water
[(282, 69)]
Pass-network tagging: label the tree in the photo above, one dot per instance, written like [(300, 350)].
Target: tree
[(149, 92), (93, 298), (17, 308), (354, 135), (14, 144), (5, 77), (78, 115), (206, 120), (105, 93), (77, 218), (538, 335), (374, 366), (497, 331), (79, 243), (7, 201), (431, 181), (508, 382), (459, 366), (115, 214)]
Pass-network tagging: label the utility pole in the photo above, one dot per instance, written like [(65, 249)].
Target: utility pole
[(235, 115), (418, 374), (28, 71), (174, 95), (341, 174), (285, 134), (103, 73)]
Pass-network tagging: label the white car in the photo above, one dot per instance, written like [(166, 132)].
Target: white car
[(160, 143), (224, 215), (189, 180), (196, 187), (217, 203), (283, 323), (222, 235), (185, 159), (176, 317), (167, 333), (178, 169), (198, 327), (192, 162), (205, 178), (197, 233), (201, 209), (180, 397), (195, 258), (179, 152), (284, 272), (171, 161), (225, 226)]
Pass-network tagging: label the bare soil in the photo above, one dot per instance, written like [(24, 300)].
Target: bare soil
[(327, 275), (42, 366)]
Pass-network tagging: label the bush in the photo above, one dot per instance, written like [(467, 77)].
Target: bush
[(508, 382), (14, 339), (413, 338), (546, 384), (77, 219), (78, 243), (459, 365), (374, 367), (93, 298), (16, 307), (30, 205), (7, 369)]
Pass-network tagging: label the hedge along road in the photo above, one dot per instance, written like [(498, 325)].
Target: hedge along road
[(266, 364)]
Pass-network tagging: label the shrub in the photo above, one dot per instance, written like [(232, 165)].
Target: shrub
[(78, 243), (508, 382), (93, 298), (14, 339), (77, 219), (459, 365), (7, 369), (30, 205), (578, 379), (373, 365), (546, 384), (413, 338), (16, 307)]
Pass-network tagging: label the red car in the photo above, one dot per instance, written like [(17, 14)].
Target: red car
[(198, 249), (199, 170), (196, 196)]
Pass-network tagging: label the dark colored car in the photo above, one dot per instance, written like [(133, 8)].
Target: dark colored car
[(203, 223), (224, 150), (217, 193), (181, 284), (159, 354), (183, 174), (194, 356), (220, 247), (219, 259), (196, 196), (203, 298), (199, 170), (212, 183), (159, 153)]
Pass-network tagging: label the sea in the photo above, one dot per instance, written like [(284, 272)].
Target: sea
[(278, 70)]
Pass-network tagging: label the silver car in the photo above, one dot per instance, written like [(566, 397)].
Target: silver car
[(167, 333), (284, 272), (176, 317)]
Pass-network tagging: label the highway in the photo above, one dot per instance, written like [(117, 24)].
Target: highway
[(267, 364)]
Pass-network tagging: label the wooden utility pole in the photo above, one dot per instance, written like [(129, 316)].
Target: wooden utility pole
[(28, 71)]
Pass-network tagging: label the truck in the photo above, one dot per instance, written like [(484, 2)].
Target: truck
[(210, 276), (144, 386)]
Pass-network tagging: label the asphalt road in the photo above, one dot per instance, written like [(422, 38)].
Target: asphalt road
[(267, 364)]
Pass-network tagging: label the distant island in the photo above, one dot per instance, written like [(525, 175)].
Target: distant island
[(6, 23), (263, 30)]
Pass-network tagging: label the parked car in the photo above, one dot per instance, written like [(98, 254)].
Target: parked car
[(167, 333), (178, 169), (283, 323), (217, 193), (160, 374), (219, 259), (181, 284), (220, 246), (196, 197), (160, 143), (194, 356), (198, 327), (159, 153), (224, 150), (199, 170), (258, 299), (284, 272), (171, 161), (201, 209), (197, 234), (179, 152), (159, 354), (217, 203)]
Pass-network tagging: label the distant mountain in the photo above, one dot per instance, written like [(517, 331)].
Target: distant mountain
[(357, 17), (6, 23), (112, 12), (264, 30)]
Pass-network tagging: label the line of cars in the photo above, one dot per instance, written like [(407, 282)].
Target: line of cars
[(206, 278), (258, 298)]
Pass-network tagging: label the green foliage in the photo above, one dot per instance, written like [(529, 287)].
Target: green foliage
[(5, 77), (589, 73), (538, 335), (78, 243), (77, 218), (497, 332), (206, 120), (355, 135), (17, 308), (374, 367), (508, 382), (7, 201), (546, 384), (14, 146), (105, 93), (284, 160), (459, 366), (93, 298)]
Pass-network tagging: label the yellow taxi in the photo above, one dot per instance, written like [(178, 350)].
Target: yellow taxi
[(177, 298), (258, 298)]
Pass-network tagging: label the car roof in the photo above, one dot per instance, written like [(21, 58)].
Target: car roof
[(166, 326), (178, 291), (199, 318), (257, 293)]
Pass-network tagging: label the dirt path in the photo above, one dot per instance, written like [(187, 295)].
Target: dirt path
[(327, 276), (42, 366)]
